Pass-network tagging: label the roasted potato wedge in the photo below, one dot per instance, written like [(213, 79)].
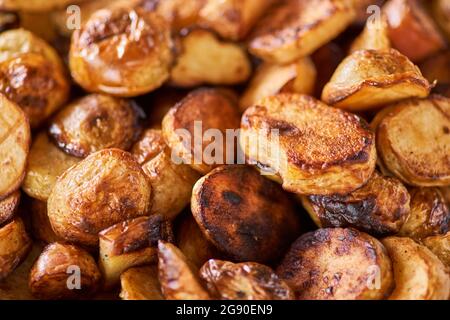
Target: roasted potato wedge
[(180, 13), (244, 281), (419, 274), (40, 224), (52, 276), (35, 5), (375, 36), (245, 216), (8, 207), (296, 28), (440, 246), (336, 264), (106, 188), (140, 283), (315, 149), (178, 279), (441, 11)]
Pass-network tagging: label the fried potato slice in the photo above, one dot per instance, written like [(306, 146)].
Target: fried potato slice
[(35, 5), (419, 274), (337, 264), (186, 125), (244, 281), (40, 223), (50, 277), (441, 13), (375, 36), (46, 162), (244, 215), (140, 283), (440, 246), (380, 207), (178, 279), (315, 149), (226, 63), (413, 141), (129, 244), (180, 13), (296, 28), (106, 188), (8, 207)]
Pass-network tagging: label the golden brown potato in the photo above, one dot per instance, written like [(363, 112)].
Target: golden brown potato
[(140, 283), (129, 244), (15, 139), (380, 207), (225, 63), (36, 5), (296, 28), (244, 281), (202, 110), (54, 273), (375, 36), (9, 20), (178, 279), (180, 13), (418, 273), (8, 207), (411, 30), (314, 148), (40, 224), (122, 50), (440, 246), (413, 141), (106, 188), (244, 215), (441, 12), (337, 264)]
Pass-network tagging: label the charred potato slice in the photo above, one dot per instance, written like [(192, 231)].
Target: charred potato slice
[(40, 224), (180, 13), (246, 216), (36, 5), (106, 188), (140, 283), (178, 279), (296, 28), (440, 246), (8, 207), (50, 277), (441, 10), (418, 273), (314, 148), (244, 281), (337, 264)]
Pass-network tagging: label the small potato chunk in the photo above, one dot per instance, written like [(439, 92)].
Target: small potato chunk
[(244, 281), (50, 277), (187, 123), (246, 216), (178, 279), (106, 188), (129, 244), (96, 122), (419, 274), (46, 162), (204, 59), (380, 207), (441, 12), (413, 141), (123, 50), (315, 149), (8, 207), (36, 5), (140, 283), (296, 28), (337, 264), (440, 246), (367, 79), (14, 246), (40, 224)]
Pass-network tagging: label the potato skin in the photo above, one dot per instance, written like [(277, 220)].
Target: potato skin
[(180, 13), (106, 188), (140, 283), (50, 274), (440, 246), (40, 223), (8, 206)]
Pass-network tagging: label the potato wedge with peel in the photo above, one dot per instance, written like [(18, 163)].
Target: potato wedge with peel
[(41, 228), (418, 273), (315, 149), (296, 28), (179, 280), (140, 283), (205, 59), (8, 207), (440, 246), (244, 281)]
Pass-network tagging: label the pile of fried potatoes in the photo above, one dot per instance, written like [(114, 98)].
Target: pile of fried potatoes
[(102, 197)]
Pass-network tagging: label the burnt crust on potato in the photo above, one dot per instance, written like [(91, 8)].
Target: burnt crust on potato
[(8, 207)]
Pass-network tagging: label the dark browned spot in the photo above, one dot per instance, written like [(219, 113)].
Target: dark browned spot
[(446, 130), (232, 197)]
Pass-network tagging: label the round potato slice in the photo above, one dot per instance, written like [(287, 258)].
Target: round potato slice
[(315, 149), (246, 216), (440, 246), (54, 274), (140, 283), (337, 264), (106, 188), (40, 224), (8, 207), (419, 274)]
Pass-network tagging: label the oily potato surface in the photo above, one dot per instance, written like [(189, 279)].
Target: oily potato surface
[(140, 283)]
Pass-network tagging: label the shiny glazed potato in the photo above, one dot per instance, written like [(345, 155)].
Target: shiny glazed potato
[(40, 224), (178, 279), (440, 246), (122, 50), (106, 188), (8, 207), (419, 274), (180, 13), (50, 275), (36, 5), (140, 283), (337, 264), (380, 207), (225, 64), (244, 281), (319, 150), (296, 28), (441, 11), (413, 141), (244, 215)]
